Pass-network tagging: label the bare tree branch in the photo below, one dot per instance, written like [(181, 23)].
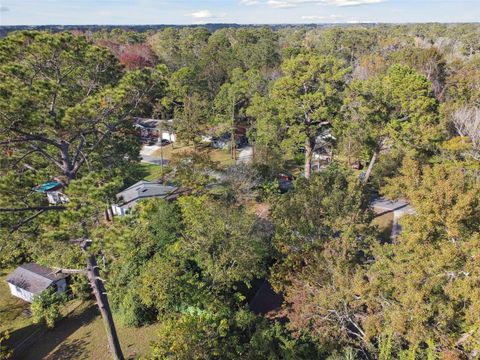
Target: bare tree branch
[(34, 208)]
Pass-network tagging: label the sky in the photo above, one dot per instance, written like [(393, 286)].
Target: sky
[(125, 12)]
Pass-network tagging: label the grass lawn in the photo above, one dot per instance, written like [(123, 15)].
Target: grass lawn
[(81, 335), (154, 172), (385, 223), (219, 155), (13, 315)]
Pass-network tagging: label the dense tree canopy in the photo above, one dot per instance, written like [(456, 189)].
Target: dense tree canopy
[(273, 248)]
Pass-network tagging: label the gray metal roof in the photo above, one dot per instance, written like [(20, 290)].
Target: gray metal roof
[(144, 190), (34, 278)]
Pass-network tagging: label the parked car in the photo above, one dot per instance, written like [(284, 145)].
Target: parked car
[(164, 142)]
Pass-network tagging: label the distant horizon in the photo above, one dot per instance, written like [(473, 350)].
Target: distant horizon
[(252, 24), (241, 12)]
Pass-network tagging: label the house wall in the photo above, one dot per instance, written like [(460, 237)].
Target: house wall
[(118, 210), (28, 296), (21, 293), (169, 136)]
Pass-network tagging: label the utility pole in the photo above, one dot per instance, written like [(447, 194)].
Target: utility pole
[(161, 147)]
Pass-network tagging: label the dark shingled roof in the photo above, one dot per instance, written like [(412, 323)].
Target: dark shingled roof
[(34, 278)]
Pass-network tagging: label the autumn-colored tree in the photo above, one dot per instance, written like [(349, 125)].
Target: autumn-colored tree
[(424, 281)]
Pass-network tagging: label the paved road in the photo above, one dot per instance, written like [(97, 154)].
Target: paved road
[(147, 152)]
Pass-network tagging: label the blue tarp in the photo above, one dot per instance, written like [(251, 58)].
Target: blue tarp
[(49, 186)]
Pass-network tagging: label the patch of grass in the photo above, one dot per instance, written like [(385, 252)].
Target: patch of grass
[(81, 335), (170, 151), (385, 224), (13, 311), (219, 155), (222, 156), (152, 171)]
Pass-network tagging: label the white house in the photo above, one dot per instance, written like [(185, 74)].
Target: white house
[(30, 279), (129, 197)]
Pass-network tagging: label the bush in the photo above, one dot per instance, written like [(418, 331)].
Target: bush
[(46, 307)]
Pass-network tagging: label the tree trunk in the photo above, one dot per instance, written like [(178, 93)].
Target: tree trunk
[(309, 144), (233, 145), (104, 307), (370, 167), (67, 166)]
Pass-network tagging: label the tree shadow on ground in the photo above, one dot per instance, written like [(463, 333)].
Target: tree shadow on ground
[(47, 341), (75, 349)]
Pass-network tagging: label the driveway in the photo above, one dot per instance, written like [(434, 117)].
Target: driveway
[(245, 155), (399, 208), (147, 154)]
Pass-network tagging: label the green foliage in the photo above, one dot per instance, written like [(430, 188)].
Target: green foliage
[(134, 241), (226, 242), (5, 354), (66, 114), (209, 336), (66, 110), (398, 107), (305, 97), (189, 336), (46, 307), (80, 287), (193, 169), (322, 231), (428, 269)]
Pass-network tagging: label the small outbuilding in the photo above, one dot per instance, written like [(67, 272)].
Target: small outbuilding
[(30, 279)]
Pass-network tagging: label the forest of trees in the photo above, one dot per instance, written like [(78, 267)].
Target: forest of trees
[(403, 101)]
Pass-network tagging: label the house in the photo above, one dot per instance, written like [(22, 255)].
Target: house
[(52, 190), (154, 128), (129, 197), (30, 279)]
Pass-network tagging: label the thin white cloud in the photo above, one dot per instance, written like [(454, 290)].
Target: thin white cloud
[(322, 17), (202, 14), (285, 4), (280, 4), (354, 2), (249, 2), (4, 8)]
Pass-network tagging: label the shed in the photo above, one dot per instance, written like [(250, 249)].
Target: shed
[(31, 279)]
